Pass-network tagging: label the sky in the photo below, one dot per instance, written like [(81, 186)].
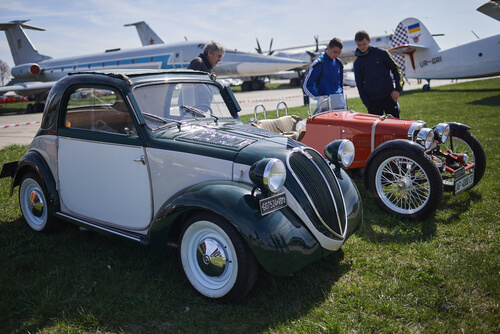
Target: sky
[(75, 28)]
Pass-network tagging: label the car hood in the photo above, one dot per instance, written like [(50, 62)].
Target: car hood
[(242, 143)]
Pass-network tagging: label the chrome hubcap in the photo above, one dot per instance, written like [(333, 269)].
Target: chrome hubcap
[(211, 257), (36, 204)]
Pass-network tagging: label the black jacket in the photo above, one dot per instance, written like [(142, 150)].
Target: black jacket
[(200, 63), (372, 71)]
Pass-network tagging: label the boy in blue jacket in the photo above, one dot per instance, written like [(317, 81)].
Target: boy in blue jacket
[(372, 70), (325, 75)]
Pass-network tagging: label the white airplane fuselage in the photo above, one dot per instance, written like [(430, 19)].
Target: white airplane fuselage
[(162, 56), (35, 73), (472, 60)]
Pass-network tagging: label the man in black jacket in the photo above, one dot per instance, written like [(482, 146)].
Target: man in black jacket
[(372, 70), (212, 54)]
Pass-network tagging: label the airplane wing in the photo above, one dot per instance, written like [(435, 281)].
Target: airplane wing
[(405, 48), (28, 88), (491, 8)]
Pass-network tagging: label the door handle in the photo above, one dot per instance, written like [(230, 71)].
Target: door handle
[(141, 160)]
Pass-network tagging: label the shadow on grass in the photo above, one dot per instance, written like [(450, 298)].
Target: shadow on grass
[(74, 279), (379, 227), (455, 206)]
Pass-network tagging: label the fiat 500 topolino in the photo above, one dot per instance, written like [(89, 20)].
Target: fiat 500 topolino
[(162, 158)]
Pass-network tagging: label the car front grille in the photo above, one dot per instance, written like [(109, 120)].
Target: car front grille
[(322, 190)]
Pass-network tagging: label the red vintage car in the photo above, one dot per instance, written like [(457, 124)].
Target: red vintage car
[(406, 165)]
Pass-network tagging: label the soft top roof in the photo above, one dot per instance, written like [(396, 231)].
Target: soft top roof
[(127, 74)]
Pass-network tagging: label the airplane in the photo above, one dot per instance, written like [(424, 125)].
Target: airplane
[(308, 53), (305, 53), (420, 57), (35, 73)]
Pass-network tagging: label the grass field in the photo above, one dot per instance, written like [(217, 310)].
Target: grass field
[(441, 275)]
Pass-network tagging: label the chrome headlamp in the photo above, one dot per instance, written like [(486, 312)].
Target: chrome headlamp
[(340, 153), (441, 132), (415, 127), (268, 175), (425, 137)]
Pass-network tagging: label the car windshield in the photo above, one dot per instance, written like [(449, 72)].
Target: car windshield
[(319, 104), (168, 103)]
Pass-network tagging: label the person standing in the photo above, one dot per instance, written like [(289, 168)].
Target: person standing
[(372, 72), (206, 61), (325, 75)]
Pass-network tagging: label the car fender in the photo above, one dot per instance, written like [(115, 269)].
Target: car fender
[(279, 241), (34, 161), (405, 144), (458, 126)]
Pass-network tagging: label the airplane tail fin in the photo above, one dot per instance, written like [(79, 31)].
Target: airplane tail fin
[(20, 45), (146, 34), (411, 33)]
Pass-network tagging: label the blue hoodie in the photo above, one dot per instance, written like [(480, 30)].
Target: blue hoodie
[(330, 73)]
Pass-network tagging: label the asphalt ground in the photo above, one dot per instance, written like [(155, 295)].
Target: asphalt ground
[(21, 128)]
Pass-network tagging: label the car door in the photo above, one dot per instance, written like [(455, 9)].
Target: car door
[(102, 165)]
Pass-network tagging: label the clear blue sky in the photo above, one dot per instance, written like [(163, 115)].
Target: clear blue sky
[(84, 27)]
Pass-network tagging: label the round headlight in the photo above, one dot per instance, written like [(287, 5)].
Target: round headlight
[(425, 137), (441, 132), (268, 174), (340, 153)]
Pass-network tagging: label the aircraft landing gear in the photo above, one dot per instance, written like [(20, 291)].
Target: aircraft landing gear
[(37, 107), (427, 86), (255, 84)]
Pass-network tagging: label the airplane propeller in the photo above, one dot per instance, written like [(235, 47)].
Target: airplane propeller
[(259, 49)]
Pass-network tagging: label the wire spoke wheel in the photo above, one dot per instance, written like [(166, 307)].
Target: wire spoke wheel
[(405, 184), (463, 142)]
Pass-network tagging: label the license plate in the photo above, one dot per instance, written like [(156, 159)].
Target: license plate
[(464, 183), (273, 203)]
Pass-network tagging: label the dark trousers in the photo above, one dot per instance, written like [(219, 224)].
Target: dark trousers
[(387, 104)]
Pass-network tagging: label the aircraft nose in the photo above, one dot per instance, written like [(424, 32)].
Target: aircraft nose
[(247, 64)]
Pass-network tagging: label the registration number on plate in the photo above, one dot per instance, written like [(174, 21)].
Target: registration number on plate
[(464, 183), (273, 203)]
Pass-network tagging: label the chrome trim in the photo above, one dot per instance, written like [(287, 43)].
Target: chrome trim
[(211, 257), (255, 111), (278, 109), (299, 150), (440, 130), (425, 137), (103, 228), (325, 242), (415, 127), (372, 139)]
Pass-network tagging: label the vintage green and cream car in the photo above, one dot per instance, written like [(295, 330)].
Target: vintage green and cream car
[(162, 158)]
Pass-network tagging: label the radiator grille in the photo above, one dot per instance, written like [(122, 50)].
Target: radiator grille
[(322, 189)]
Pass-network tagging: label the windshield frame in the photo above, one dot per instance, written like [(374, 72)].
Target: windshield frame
[(174, 99)]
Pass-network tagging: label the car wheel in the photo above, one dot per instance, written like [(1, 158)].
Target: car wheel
[(33, 203), (461, 142), (215, 258), (405, 184)]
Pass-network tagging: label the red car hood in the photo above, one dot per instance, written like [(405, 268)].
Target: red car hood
[(364, 130)]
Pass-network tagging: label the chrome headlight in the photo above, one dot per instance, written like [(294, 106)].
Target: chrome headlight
[(268, 174), (340, 153), (441, 132), (425, 137), (415, 128)]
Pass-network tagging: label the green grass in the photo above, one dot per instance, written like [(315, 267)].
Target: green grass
[(441, 275)]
